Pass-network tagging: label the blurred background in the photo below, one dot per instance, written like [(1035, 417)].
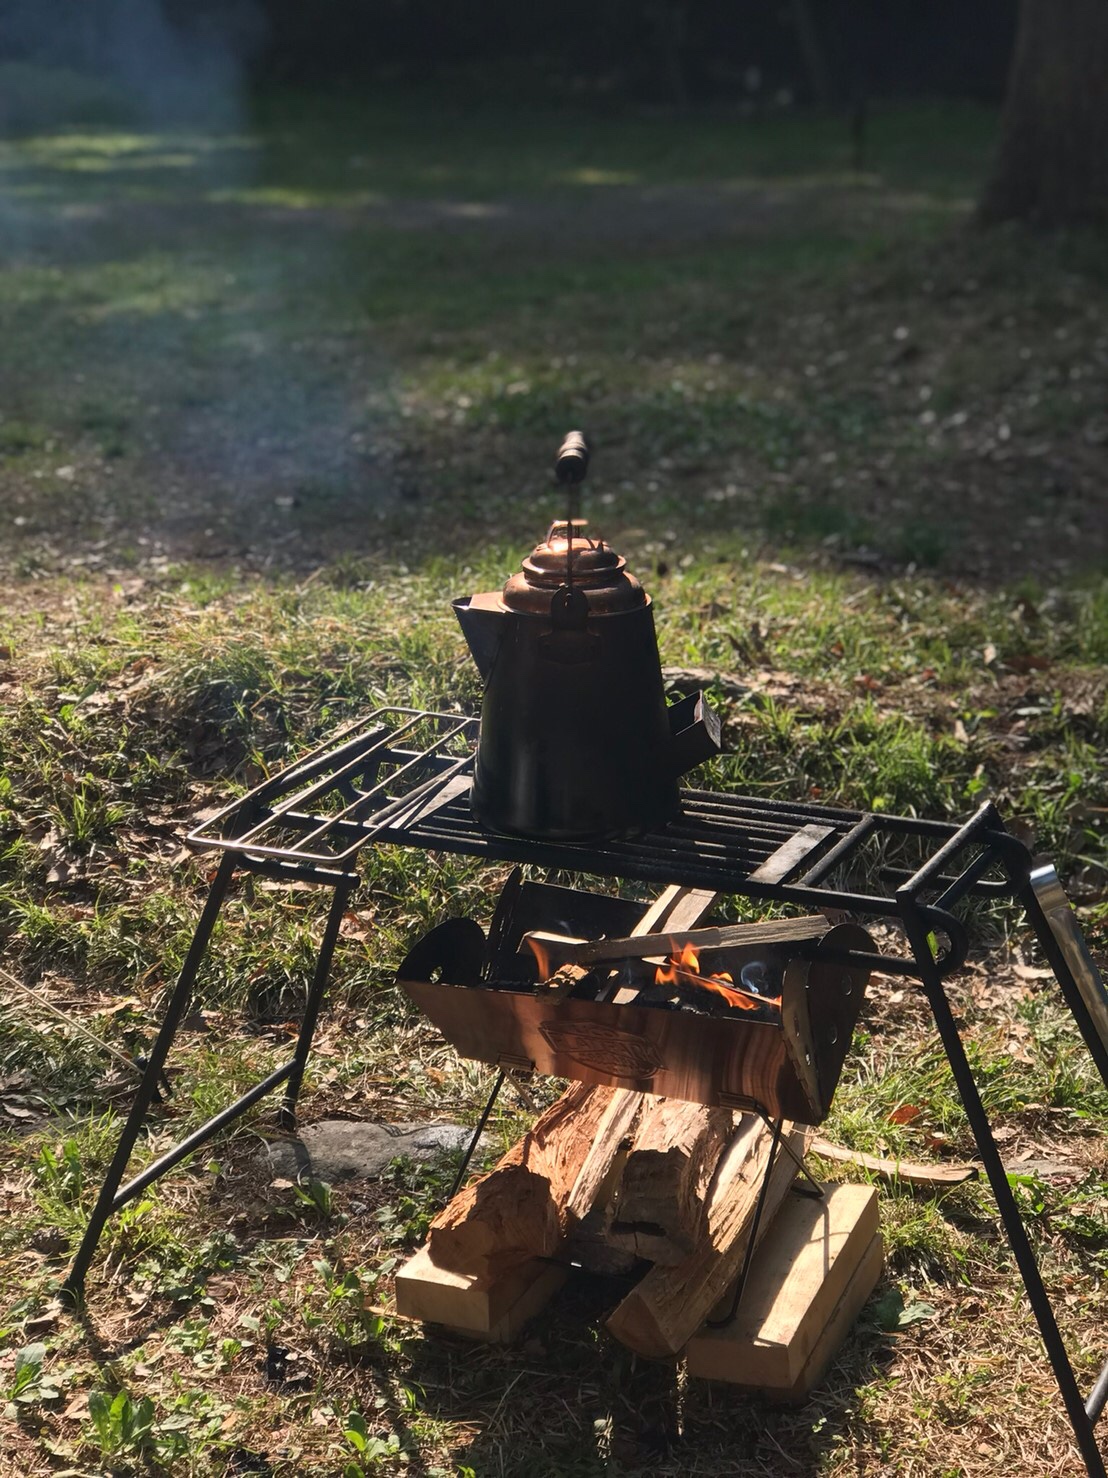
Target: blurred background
[(285, 280)]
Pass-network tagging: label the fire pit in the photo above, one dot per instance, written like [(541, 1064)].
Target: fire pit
[(746, 1016)]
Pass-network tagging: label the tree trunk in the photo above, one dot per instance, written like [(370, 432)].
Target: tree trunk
[(1052, 164), (815, 57)]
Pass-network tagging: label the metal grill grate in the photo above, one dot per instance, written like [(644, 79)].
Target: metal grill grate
[(402, 777)]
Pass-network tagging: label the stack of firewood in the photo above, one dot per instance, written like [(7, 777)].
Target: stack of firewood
[(609, 1178)]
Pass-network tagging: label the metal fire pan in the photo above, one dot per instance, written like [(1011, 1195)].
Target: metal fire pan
[(790, 1067)]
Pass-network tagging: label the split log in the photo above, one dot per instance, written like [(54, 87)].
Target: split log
[(726, 936), (664, 1310), (676, 908), (588, 1245), (658, 1208), (527, 1205)]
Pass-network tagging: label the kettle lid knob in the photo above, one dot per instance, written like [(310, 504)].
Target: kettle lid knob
[(572, 462)]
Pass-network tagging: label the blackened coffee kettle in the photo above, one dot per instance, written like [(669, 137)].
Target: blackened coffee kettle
[(577, 742)]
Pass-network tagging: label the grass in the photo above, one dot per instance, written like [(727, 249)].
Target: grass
[(286, 388)]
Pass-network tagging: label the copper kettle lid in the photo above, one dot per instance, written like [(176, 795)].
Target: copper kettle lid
[(568, 559), (595, 569)]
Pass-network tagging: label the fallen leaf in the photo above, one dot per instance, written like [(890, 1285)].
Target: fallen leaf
[(907, 1113), (1027, 662)]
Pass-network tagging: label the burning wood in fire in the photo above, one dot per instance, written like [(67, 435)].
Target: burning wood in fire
[(677, 984), (748, 994)]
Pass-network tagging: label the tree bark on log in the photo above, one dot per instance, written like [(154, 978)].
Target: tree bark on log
[(658, 1209), (664, 1310), (1051, 167), (526, 1206)]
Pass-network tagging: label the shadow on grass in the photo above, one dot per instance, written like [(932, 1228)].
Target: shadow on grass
[(347, 331), (570, 1400)]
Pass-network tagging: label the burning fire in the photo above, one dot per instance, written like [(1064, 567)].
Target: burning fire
[(542, 958), (684, 967)]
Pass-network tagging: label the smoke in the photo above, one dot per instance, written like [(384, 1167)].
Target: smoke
[(159, 253), (149, 62)]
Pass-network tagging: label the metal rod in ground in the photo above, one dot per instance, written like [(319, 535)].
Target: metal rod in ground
[(915, 924), (200, 1136), (286, 1117), (74, 1285), (748, 1256), (475, 1137)]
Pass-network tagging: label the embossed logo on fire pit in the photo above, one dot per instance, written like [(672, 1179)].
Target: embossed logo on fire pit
[(603, 1048)]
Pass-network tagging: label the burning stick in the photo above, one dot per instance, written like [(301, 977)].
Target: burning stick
[(683, 968), (555, 982)]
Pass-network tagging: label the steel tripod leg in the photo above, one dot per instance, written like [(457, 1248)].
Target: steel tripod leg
[(1084, 995), (475, 1137), (286, 1116), (916, 927), (813, 1188), (74, 1286)]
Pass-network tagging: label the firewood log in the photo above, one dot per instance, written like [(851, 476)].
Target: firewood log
[(543, 1186), (668, 1305), (658, 1208)]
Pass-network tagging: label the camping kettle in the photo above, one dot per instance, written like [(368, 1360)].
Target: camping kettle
[(576, 741)]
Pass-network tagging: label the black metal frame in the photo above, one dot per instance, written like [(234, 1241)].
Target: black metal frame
[(401, 778)]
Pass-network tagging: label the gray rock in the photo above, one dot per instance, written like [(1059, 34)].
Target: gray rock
[(344, 1149)]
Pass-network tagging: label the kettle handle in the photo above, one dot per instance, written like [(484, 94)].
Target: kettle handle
[(571, 465)]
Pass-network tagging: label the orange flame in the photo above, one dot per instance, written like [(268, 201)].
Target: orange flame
[(542, 958), (684, 965)]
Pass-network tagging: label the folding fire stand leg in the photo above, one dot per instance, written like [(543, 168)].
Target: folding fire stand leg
[(916, 924), (286, 1115), (113, 1196)]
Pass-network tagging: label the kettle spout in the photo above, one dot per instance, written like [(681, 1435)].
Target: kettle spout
[(695, 731), (483, 628)]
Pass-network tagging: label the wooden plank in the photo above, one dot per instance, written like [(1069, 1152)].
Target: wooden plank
[(677, 908), (493, 1306), (921, 1177), (797, 1279), (842, 1321), (726, 936), (862, 1282), (789, 856), (666, 1308)]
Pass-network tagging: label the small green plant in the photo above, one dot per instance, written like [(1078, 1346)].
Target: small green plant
[(372, 1452), (315, 1196), (341, 1306), (60, 1171), (30, 1383), (421, 1187), (121, 1425)]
